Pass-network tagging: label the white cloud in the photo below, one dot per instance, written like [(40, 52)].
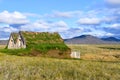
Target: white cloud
[(35, 26), (72, 32), (7, 29), (86, 20), (13, 18), (62, 14), (101, 34), (89, 21), (115, 26), (46, 26), (109, 19), (68, 14), (113, 2), (59, 24), (108, 34)]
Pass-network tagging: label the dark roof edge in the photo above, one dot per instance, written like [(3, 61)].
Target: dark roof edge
[(22, 37)]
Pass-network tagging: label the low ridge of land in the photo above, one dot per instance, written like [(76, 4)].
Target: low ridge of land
[(3, 42), (88, 39)]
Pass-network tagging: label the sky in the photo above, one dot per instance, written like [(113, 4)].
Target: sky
[(70, 18)]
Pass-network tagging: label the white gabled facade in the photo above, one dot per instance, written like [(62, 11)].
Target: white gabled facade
[(11, 43), (20, 43), (16, 44)]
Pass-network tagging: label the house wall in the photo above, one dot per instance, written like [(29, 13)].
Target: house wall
[(19, 43), (11, 43)]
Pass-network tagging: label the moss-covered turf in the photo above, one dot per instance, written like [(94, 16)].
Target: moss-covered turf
[(40, 43)]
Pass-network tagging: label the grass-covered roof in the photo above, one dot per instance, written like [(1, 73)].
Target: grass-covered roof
[(42, 37), (44, 40), (42, 43)]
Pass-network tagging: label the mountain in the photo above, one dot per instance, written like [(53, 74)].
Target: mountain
[(3, 42), (111, 39), (88, 39)]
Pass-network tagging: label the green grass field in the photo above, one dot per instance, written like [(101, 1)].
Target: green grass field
[(98, 52), (89, 67)]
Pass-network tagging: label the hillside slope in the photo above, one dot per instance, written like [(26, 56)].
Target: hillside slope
[(88, 39), (111, 39)]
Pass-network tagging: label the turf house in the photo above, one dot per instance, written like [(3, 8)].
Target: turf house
[(38, 43)]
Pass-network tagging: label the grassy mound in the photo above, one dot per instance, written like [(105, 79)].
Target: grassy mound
[(40, 44)]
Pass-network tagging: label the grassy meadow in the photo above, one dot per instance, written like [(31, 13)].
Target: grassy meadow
[(98, 52), (98, 62)]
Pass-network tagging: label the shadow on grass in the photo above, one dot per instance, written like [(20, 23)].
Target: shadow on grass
[(108, 61), (72, 59), (101, 61), (110, 48)]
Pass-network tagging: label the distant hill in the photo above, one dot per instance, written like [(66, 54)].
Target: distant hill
[(3, 42), (88, 39), (111, 39)]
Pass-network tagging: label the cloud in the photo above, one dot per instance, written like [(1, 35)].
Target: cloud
[(113, 29), (92, 22), (71, 32), (68, 14), (89, 21), (35, 26), (62, 14), (116, 32), (108, 34), (109, 20), (5, 31), (41, 25), (100, 17), (113, 2), (115, 26), (59, 24), (13, 18)]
